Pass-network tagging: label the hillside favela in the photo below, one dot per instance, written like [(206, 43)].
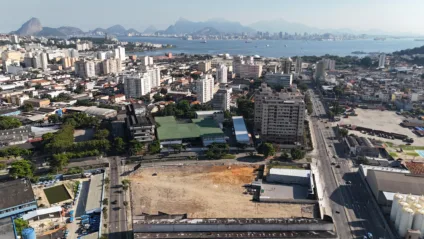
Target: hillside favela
[(225, 119)]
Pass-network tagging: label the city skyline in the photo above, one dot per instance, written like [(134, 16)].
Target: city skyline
[(359, 16)]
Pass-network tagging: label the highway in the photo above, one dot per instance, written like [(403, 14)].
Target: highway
[(117, 218), (354, 209)]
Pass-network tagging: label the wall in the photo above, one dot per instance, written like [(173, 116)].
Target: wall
[(324, 226)]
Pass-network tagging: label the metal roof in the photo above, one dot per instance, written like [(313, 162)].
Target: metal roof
[(291, 172), (365, 168), (16, 192), (40, 212), (242, 135)]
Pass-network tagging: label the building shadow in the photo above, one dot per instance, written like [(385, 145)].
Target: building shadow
[(251, 159)]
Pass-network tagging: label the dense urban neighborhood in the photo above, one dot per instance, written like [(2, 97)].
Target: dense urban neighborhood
[(101, 139)]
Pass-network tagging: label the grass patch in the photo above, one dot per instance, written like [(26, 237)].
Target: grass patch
[(228, 156), (412, 154), (390, 144), (410, 147), (393, 154), (57, 194)]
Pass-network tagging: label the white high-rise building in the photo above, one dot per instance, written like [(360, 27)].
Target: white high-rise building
[(14, 39), (101, 55), (222, 73), (120, 53), (146, 61), (137, 85), (382, 61), (73, 53), (204, 88), (86, 69), (154, 75), (44, 61)]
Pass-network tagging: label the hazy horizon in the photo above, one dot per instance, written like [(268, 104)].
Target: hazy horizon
[(361, 15)]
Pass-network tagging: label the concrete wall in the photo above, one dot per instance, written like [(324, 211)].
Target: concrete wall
[(324, 226)]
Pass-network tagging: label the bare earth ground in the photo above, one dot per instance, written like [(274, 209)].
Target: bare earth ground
[(204, 192)]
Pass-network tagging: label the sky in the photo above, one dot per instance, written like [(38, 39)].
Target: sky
[(385, 15)]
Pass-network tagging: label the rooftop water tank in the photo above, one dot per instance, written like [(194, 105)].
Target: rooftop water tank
[(395, 205), (399, 213), (405, 221), (28, 233)]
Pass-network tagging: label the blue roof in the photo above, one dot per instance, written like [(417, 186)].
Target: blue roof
[(242, 136)]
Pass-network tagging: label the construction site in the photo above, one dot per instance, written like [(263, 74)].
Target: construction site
[(205, 192), (185, 201)]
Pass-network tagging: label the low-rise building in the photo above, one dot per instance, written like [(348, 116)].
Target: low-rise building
[(38, 102), (16, 197)]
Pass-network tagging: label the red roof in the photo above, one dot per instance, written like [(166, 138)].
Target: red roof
[(415, 167)]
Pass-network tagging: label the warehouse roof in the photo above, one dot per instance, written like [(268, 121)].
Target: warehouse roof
[(16, 192), (40, 212), (94, 193), (291, 172), (240, 129), (93, 110), (397, 182), (170, 128)]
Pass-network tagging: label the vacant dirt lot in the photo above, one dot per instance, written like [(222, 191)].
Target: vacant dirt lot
[(204, 192)]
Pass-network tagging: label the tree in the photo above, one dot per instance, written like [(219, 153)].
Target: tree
[(38, 86), (267, 149), (154, 147), (366, 62), (245, 108), (343, 132), (227, 114), (125, 203), (119, 145), (27, 107), (136, 147), (157, 97), (105, 201), (297, 153), (20, 224), (80, 89), (107, 180), (163, 91), (54, 118), (21, 169), (177, 147), (101, 134), (126, 182), (125, 187), (8, 122)]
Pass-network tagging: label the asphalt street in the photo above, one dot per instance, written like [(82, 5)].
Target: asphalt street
[(117, 218), (355, 212)]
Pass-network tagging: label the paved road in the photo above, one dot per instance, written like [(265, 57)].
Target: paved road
[(117, 217), (358, 213)]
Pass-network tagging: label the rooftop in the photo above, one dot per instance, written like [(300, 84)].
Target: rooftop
[(240, 129), (170, 128), (227, 221), (416, 168), (16, 192), (397, 182), (95, 192), (291, 172)]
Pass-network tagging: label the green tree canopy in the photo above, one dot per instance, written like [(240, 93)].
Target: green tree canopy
[(7, 122), (21, 169), (297, 153), (267, 149)]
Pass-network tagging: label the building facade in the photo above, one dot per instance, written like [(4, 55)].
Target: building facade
[(205, 66), (137, 85), (281, 80), (222, 99), (204, 88), (222, 73), (279, 116)]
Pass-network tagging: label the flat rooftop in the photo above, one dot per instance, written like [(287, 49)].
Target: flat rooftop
[(16, 192), (281, 191), (94, 196), (227, 221), (6, 228)]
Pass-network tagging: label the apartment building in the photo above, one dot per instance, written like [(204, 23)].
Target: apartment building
[(222, 73), (111, 66), (281, 80), (279, 116), (205, 66), (222, 98), (137, 85), (204, 88)]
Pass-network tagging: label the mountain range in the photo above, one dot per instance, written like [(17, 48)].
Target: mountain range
[(184, 26), (33, 27)]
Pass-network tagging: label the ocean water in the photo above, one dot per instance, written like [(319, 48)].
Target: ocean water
[(276, 48)]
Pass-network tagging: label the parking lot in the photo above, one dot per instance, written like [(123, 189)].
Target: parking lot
[(387, 121)]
